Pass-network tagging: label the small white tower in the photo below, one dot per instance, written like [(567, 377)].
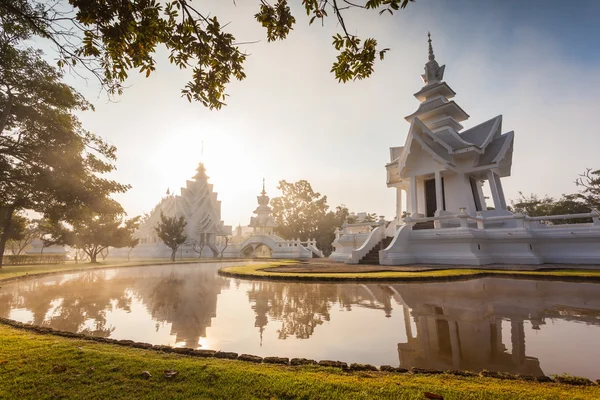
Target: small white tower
[(263, 223)]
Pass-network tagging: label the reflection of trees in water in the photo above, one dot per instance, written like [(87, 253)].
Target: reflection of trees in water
[(302, 307), (186, 298), (72, 304)]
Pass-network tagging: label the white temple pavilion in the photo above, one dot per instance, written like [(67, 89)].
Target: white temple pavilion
[(441, 169)]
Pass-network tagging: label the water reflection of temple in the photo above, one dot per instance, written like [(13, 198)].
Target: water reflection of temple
[(459, 325), (454, 325), (188, 301)]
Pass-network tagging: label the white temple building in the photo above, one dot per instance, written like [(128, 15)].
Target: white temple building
[(441, 170), (199, 205)]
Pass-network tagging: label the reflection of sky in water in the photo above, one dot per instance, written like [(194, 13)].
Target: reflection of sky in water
[(499, 324)]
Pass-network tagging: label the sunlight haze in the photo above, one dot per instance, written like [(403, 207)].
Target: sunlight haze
[(290, 119)]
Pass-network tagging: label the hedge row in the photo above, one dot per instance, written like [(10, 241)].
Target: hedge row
[(24, 259)]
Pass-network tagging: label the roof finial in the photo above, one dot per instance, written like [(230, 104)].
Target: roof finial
[(263, 191), (431, 55)]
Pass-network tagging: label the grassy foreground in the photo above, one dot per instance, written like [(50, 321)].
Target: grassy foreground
[(46, 366), (258, 271)]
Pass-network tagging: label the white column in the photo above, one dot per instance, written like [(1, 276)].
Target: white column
[(481, 195), (413, 195), (399, 203), (494, 189), (500, 192), (439, 194)]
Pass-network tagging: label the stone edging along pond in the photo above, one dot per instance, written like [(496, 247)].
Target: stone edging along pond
[(202, 353)]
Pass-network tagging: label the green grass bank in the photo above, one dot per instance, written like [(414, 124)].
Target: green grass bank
[(269, 271), (36, 366)]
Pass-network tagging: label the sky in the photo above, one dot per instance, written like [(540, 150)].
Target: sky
[(535, 62)]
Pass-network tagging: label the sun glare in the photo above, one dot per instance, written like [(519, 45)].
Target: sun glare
[(230, 159)]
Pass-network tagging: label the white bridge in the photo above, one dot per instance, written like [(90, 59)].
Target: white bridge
[(280, 248)]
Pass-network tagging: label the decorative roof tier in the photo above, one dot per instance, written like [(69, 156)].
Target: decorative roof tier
[(263, 217), (436, 129), (435, 110)]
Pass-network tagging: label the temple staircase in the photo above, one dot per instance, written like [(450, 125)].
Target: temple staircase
[(372, 257)]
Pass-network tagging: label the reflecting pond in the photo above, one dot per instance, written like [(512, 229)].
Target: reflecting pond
[(517, 326)]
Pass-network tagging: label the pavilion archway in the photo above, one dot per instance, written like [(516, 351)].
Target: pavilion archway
[(257, 250)]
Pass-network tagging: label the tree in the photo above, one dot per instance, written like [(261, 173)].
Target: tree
[(303, 213), (94, 233), (589, 181), (28, 232), (226, 239), (198, 245), (111, 37), (171, 231), (298, 210), (17, 231), (132, 243), (327, 226), (534, 206), (48, 162)]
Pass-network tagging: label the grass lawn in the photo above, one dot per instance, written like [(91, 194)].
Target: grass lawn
[(92, 370), (258, 271)]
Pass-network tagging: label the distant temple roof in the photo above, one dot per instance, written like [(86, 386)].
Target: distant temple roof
[(263, 212), (197, 203)]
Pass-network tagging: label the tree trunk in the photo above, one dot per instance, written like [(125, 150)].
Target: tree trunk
[(93, 257), (224, 248), (5, 231), (128, 253), (173, 253)]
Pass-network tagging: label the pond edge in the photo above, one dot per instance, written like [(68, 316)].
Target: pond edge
[(296, 362)]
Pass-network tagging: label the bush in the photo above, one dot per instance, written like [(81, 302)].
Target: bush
[(26, 259)]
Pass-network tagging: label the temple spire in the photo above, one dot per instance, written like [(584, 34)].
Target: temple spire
[(433, 72), (263, 191), (431, 55)]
